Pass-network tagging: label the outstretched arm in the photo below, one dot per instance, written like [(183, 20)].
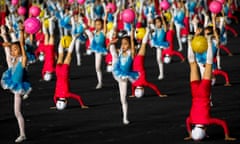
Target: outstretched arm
[(22, 43)]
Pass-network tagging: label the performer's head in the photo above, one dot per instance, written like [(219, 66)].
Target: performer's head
[(61, 103), (47, 76), (198, 132), (99, 24), (139, 91), (158, 22)]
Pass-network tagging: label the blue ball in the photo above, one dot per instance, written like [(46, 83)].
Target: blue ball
[(191, 6), (98, 9)]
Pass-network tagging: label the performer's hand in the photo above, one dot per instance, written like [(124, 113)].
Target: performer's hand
[(84, 107), (227, 138), (188, 138), (163, 95)]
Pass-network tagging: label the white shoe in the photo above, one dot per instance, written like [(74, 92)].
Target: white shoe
[(180, 49), (160, 77), (99, 85), (79, 64), (25, 96), (20, 139), (126, 122)]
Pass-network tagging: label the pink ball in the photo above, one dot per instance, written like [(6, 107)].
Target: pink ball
[(34, 11), (112, 7), (70, 1), (14, 2), (21, 10), (81, 2), (221, 1), (128, 15), (165, 5), (215, 7), (32, 25)]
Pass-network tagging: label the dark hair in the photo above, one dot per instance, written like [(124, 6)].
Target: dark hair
[(157, 18), (210, 29), (128, 38), (16, 43), (99, 19)]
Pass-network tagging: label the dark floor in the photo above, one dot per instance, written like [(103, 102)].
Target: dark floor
[(153, 119)]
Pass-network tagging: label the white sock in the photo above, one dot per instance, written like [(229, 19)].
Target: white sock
[(209, 52), (60, 48), (70, 49), (51, 26), (145, 38), (191, 56)]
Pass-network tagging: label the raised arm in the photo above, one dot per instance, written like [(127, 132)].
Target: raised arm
[(22, 43), (132, 41)]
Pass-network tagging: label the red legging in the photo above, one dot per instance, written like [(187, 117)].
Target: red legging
[(222, 73)]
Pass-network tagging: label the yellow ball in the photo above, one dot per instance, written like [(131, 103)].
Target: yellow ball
[(140, 32), (199, 44), (66, 41), (2, 2), (138, 4), (168, 16), (46, 23), (109, 26)]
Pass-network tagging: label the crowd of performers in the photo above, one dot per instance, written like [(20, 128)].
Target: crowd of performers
[(123, 45)]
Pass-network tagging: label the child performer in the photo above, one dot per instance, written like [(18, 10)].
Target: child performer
[(200, 89), (122, 70), (14, 80), (49, 54), (158, 41), (138, 66), (62, 73), (98, 46)]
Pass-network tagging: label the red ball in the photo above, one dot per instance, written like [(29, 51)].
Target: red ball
[(32, 25), (165, 5), (34, 11), (81, 2), (221, 1), (21, 10), (215, 7), (14, 2), (128, 15), (112, 7)]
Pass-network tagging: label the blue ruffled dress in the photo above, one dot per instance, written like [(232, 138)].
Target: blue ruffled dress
[(98, 43), (122, 69), (14, 79), (158, 39)]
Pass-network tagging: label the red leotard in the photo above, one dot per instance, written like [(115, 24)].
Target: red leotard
[(138, 66), (62, 84), (49, 59), (200, 110)]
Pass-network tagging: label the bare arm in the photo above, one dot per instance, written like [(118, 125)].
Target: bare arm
[(132, 42), (22, 43)]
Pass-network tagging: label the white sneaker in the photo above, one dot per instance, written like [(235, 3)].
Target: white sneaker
[(99, 85), (160, 77), (126, 122), (25, 96), (20, 139)]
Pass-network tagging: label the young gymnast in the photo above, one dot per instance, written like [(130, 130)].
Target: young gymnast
[(122, 70), (62, 92), (159, 42), (98, 46), (138, 66), (14, 79), (49, 54), (200, 91)]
